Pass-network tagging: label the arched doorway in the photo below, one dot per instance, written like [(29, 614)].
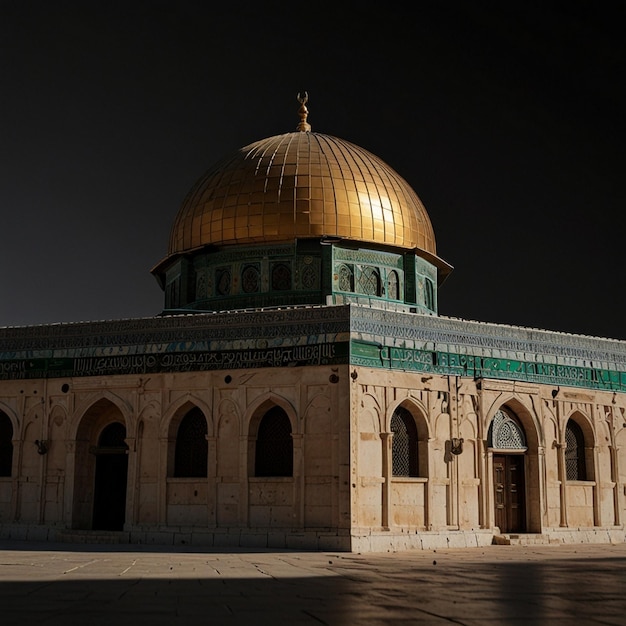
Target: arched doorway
[(100, 469), (109, 499), (507, 441)]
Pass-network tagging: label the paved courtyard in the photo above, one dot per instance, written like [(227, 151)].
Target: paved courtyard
[(52, 584)]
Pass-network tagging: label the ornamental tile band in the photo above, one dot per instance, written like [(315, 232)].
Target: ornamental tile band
[(311, 336)]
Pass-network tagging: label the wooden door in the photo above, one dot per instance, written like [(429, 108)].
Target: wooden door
[(508, 479)]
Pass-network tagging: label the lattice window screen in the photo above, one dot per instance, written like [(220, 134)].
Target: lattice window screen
[(575, 468), (404, 451), (506, 433)]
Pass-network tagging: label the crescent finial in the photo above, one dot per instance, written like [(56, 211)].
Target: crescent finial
[(303, 112)]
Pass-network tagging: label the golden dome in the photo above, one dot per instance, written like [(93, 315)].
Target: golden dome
[(301, 185)]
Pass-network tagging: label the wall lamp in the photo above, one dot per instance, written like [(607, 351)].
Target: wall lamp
[(42, 446)]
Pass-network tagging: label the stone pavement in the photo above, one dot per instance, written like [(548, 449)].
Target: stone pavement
[(54, 584)]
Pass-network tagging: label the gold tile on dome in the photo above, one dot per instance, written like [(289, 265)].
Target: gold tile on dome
[(302, 192), (344, 209), (353, 198), (272, 183), (339, 189), (340, 194), (315, 217), (343, 221), (288, 182)]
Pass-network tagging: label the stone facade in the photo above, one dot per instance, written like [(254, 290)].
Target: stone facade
[(403, 431)]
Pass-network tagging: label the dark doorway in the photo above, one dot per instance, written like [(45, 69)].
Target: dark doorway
[(508, 478), (109, 507)]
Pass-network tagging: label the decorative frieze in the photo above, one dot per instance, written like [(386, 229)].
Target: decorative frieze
[(313, 335)]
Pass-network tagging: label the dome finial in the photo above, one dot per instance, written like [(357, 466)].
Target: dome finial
[(303, 112)]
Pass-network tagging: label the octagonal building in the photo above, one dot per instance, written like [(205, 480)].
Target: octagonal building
[(299, 388)]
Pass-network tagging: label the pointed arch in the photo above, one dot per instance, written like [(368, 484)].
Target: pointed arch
[(274, 444), (185, 427), (257, 409), (104, 401), (170, 418), (579, 441), (409, 444), (393, 285), (100, 426), (404, 452), (585, 424), (270, 441), (418, 410), (506, 431), (191, 446), (525, 415)]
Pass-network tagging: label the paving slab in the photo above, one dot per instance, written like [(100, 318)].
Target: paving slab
[(54, 584)]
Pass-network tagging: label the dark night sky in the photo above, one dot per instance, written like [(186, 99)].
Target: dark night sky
[(505, 117)]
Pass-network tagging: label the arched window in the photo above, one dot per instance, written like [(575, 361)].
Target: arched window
[(191, 453), (429, 294), (6, 445), (345, 280), (404, 452), (393, 285), (274, 445), (369, 281), (505, 433), (575, 467)]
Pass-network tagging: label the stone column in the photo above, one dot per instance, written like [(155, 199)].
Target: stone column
[(70, 483), (562, 474), (211, 480), (131, 483), (163, 472), (386, 439), (298, 479), (246, 448)]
